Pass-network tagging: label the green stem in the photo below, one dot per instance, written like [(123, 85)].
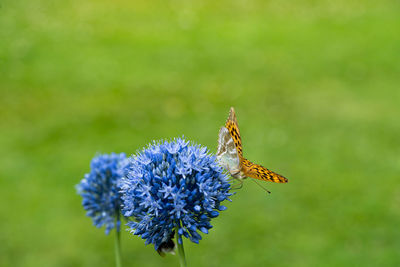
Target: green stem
[(117, 249), (181, 251)]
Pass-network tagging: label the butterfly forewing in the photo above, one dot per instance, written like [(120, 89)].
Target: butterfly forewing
[(233, 128), (259, 172)]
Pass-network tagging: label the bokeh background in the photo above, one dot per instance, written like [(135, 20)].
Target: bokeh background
[(315, 85)]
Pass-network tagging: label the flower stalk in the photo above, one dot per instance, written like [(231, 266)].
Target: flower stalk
[(117, 246), (181, 251)]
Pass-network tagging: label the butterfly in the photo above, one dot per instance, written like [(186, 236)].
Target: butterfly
[(230, 155)]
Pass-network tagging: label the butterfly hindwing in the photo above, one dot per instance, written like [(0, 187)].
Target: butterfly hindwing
[(259, 172), (233, 128), (226, 152)]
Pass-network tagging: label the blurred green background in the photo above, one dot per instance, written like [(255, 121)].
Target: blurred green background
[(315, 85)]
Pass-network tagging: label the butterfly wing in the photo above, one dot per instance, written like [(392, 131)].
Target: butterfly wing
[(259, 172), (233, 128), (227, 153)]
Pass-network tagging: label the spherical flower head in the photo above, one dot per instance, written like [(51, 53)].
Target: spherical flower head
[(100, 192), (173, 185)]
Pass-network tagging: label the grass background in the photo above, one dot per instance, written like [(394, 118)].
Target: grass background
[(315, 85)]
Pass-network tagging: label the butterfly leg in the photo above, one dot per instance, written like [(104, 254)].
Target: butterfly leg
[(238, 186)]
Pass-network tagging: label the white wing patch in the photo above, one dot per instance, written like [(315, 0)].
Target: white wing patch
[(227, 154)]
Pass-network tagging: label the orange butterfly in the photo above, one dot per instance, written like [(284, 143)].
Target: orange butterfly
[(230, 155)]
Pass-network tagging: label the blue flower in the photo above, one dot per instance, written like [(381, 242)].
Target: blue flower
[(100, 192), (172, 185)]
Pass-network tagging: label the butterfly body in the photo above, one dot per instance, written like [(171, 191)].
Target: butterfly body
[(230, 155)]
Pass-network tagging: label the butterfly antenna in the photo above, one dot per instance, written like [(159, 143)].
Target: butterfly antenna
[(261, 186)]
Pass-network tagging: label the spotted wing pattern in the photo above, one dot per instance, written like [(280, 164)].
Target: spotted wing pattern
[(259, 172), (233, 128)]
